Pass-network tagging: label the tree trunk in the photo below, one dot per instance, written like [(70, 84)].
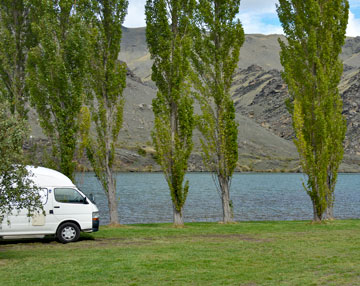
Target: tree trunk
[(329, 212), (317, 216), (225, 199), (178, 217), (112, 200)]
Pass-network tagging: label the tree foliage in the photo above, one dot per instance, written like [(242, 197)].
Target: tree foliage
[(315, 33), (105, 97), (169, 42), (16, 189), (56, 72), (16, 39), (217, 41)]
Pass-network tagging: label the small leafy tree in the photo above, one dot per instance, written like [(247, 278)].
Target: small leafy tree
[(169, 43), (16, 39), (56, 73), (217, 41), (315, 34), (105, 97), (16, 189)]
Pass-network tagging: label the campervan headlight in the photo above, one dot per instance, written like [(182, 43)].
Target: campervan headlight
[(95, 215)]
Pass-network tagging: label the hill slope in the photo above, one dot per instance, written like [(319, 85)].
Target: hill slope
[(264, 124)]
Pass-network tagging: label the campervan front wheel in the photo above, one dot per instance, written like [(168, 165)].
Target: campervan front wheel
[(68, 232)]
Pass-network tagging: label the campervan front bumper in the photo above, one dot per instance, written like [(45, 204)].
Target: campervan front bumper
[(95, 221)]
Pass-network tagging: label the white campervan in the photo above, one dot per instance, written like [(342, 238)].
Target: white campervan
[(67, 210)]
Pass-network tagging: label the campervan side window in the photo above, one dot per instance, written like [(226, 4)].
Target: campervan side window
[(67, 195)]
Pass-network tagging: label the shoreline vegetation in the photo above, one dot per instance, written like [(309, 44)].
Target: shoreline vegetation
[(245, 253)]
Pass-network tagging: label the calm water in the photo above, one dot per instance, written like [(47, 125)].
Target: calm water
[(145, 198)]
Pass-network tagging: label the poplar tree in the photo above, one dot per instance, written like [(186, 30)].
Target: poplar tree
[(16, 39), (218, 37), (315, 33), (56, 72), (105, 97), (169, 43)]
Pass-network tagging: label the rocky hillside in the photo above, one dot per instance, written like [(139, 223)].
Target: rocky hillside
[(260, 95), (258, 91)]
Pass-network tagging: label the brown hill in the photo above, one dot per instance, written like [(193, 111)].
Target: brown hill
[(264, 125)]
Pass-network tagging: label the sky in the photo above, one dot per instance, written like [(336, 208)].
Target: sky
[(257, 17)]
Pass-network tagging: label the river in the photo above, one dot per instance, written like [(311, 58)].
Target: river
[(145, 198)]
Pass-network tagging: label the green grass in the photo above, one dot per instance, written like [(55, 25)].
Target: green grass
[(250, 253)]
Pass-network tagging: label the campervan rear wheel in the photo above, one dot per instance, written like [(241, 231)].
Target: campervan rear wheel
[(68, 232)]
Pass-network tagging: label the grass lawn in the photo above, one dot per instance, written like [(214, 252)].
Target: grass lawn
[(247, 253)]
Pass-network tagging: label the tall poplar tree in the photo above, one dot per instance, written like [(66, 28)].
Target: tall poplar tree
[(218, 37), (56, 72), (105, 97), (169, 43), (315, 33), (16, 39)]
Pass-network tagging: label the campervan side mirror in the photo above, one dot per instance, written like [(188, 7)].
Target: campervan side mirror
[(91, 197)]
